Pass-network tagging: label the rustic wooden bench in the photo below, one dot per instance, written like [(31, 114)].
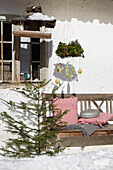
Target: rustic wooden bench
[(103, 102)]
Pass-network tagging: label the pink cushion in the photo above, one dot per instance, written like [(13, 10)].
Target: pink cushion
[(70, 104), (103, 118)]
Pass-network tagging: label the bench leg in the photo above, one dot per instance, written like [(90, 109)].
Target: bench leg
[(58, 144)]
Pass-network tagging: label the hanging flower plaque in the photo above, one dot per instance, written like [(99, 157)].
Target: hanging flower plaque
[(73, 49)]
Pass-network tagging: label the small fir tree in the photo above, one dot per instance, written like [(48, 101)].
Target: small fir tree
[(34, 135)]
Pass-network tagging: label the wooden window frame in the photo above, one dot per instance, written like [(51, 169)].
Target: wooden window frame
[(31, 62), (2, 61)]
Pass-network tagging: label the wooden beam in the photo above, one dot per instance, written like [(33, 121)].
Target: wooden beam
[(32, 34), (33, 9), (88, 97)]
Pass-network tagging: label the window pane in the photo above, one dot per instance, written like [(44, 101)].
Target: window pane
[(25, 70), (7, 51), (35, 52), (36, 71), (35, 40), (7, 68), (0, 31), (0, 72), (0, 51), (7, 32), (32, 25)]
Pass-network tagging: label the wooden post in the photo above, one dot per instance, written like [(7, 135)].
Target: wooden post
[(13, 65), (31, 61), (89, 104), (81, 106), (58, 144), (111, 109), (2, 52), (45, 60), (13, 57), (85, 103), (107, 106), (44, 64)]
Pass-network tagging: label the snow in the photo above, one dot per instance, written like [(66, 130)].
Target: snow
[(40, 16), (74, 158), (93, 160)]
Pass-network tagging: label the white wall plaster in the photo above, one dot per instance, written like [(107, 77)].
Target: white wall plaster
[(83, 10), (96, 40)]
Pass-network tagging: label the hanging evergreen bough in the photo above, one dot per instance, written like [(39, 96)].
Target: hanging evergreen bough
[(73, 49), (34, 134)]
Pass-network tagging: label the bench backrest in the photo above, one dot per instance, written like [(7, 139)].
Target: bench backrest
[(103, 102)]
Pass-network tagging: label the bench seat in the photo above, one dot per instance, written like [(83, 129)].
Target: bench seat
[(77, 132)]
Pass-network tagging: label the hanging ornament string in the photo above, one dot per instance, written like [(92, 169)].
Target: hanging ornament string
[(69, 19), (71, 30), (65, 31), (68, 25), (64, 35), (38, 2), (68, 10), (34, 0)]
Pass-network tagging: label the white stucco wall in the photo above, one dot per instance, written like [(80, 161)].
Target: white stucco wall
[(83, 10), (90, 23), (96, 39)]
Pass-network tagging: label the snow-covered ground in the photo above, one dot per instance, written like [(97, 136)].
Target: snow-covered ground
[(91, 158), (73, 159)]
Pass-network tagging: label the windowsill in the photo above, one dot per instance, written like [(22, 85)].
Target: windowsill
[(10, 84)]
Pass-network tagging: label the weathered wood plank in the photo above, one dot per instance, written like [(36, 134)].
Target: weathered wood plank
[(87, 97), (111, 108), (35, 9), (89, 104), (2, 72), (101, 104), (32, 34), (79, 133), (107, 106), (85, 105), (97, 106), (76, 132), (81, 106), (107, 128)]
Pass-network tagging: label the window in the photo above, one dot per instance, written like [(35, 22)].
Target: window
[(29, 59), (30, 56), (6, 51), (35, 47)]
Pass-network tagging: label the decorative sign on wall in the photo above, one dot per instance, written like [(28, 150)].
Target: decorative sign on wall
[(65, 72)]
